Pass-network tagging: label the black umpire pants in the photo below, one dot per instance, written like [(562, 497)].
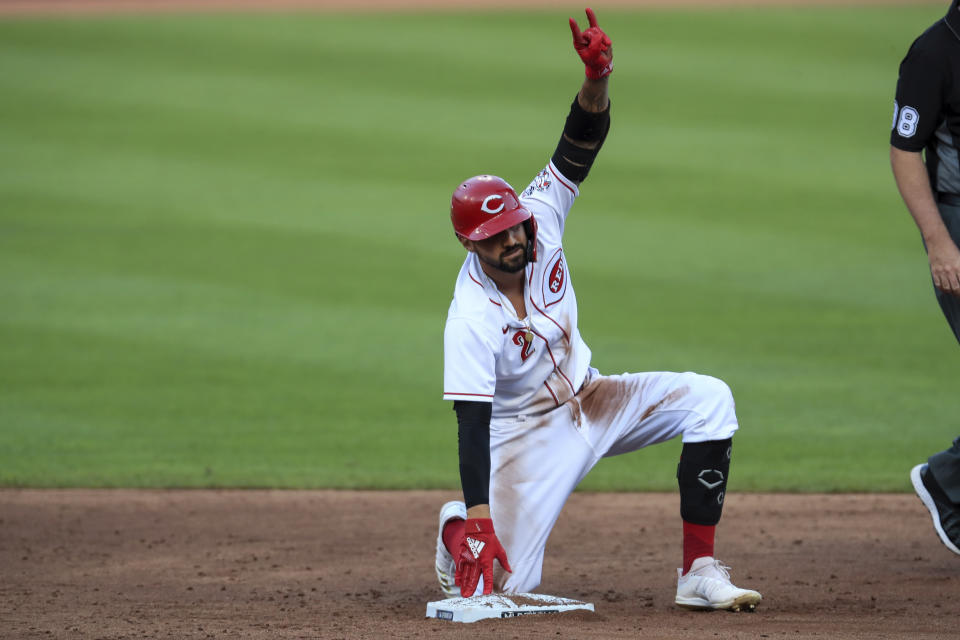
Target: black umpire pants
[(949, 206), (945, 467)]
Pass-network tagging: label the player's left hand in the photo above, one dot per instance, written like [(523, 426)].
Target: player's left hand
[(594, 48), (480, 547)]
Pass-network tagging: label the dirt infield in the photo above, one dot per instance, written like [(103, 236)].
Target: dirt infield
[(326, 564)]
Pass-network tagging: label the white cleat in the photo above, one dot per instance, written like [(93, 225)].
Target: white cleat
[(707, 586), (445, 566)]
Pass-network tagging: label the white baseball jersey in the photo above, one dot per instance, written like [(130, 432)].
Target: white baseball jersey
[(522, 365)]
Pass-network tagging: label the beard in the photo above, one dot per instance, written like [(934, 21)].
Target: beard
[(509, 264)]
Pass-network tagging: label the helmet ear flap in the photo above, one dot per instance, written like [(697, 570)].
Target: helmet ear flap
[(530, 225)]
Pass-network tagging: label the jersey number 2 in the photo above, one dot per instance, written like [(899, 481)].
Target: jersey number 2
[(526, 348)]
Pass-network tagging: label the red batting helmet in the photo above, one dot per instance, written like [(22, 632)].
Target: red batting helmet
[(483, 206)]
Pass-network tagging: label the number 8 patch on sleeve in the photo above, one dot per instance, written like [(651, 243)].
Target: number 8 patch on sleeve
[(907, 121)]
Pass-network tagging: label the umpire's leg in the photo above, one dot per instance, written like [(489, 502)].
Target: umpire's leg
[(949, 302), (945, 467)]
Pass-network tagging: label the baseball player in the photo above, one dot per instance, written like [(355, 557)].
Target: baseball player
[(926, 119), (534, 417)]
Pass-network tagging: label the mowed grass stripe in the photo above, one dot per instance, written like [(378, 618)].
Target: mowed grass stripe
[(226, 258)]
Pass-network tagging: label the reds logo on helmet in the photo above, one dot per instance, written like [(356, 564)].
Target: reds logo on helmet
[(485, 205)]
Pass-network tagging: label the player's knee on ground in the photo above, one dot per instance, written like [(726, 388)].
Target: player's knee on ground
[(702, 475)]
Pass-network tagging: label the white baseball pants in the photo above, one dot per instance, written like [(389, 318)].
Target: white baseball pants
[(537, 461)]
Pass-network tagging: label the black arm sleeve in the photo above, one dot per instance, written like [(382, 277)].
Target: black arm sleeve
[(583, 135), (473, 419)]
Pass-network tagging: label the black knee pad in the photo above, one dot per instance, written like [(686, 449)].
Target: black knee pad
[(702, 476)]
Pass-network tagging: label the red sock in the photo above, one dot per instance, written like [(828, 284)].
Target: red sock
[(697, 542), (453, 534)]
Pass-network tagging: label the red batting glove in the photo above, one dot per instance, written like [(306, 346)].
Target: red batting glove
[(477, 552), (594, 48)]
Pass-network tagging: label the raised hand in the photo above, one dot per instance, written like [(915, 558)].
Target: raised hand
[(594, 47)]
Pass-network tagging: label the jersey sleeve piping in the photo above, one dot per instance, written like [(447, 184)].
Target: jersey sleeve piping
[(474, 397), (562, 178)]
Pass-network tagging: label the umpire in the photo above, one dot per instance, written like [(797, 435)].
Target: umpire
[(926, 118)]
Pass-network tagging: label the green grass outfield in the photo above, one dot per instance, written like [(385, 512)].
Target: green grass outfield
[(226, 259)]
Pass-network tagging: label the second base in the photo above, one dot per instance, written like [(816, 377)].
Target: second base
[(501, 605)]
